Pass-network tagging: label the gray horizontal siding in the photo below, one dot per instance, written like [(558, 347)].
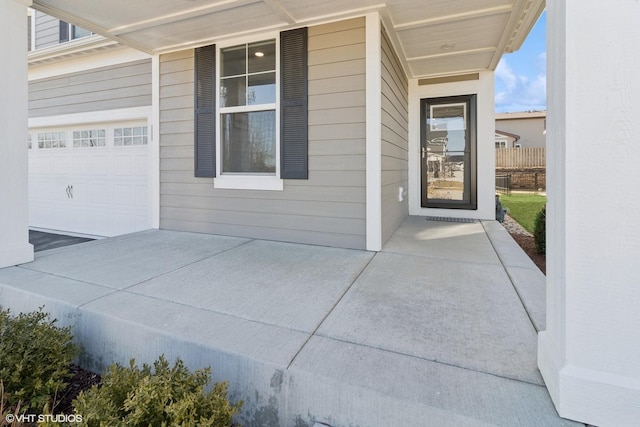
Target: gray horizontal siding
[(47, 31), (118, 86), (395, 122), (327, 209)]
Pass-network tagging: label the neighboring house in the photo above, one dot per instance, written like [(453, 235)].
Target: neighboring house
[(89, 110), (506, 140), (526, 129)]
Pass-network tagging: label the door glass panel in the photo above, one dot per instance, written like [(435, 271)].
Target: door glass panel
[(448, 144)]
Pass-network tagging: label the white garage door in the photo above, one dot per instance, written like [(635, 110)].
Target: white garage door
[(90, 179)]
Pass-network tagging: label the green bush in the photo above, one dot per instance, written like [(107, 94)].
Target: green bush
[(166, 397), (35, 356), (540, 231)]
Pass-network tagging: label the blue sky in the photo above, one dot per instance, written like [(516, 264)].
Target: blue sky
[(521, 81)]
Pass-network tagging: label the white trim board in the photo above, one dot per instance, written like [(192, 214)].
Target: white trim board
[(154, 144), (114, 56), (374, 131), (117, 115)]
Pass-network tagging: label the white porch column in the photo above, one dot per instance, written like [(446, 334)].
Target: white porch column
[(14, 218), (589, 355)]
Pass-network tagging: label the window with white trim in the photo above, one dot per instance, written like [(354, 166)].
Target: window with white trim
[(89, 138), (29, 141), (129, 136), (239, 118), (248, 108), (52, 140)]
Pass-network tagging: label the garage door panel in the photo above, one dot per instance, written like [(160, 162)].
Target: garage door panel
[(110, 185), (48, 188), (100, 193), (140, 195)]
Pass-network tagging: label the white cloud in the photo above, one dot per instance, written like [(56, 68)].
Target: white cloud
[(518, 92), (506, 74)]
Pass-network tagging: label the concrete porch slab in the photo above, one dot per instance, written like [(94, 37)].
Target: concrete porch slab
[(123, 261), (258, 279), (466, 242), (376, 387), (459, 314), (434, 330)]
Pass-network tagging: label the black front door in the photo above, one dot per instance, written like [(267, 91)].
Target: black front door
[(448, 152)]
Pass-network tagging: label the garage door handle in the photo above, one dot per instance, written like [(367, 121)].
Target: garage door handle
[(70, 191)]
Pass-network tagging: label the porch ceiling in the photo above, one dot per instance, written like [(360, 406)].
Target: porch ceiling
[(433, 37)]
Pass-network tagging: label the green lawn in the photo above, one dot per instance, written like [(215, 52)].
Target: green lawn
[(523, 208)]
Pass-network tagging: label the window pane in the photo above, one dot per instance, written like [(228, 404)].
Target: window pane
[(78, 32), (234, 61), (249, 142), (262, 89), (448, 150), (262, 56), (51, 140), (233, 92)]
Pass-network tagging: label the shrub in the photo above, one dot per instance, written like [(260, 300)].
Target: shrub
[(167, 397), (35, 356), (540, 231)]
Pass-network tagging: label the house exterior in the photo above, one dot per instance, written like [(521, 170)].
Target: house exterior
[(233, 152), (527, 129), (347, 191)]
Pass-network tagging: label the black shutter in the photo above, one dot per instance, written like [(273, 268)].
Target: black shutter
[(293, 104), (64, 32), (205, 112)]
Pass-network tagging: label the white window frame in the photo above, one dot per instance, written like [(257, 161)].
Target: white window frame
[(71, 134), (70, 32), (131, 126), (247, 181), (53, 131)]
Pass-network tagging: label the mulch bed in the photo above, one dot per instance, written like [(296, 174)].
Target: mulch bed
[(81, 380)]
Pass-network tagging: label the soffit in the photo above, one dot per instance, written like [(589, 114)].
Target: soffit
[(432, 37)]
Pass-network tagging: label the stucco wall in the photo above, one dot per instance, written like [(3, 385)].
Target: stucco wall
[(531, 130), (589, 354)]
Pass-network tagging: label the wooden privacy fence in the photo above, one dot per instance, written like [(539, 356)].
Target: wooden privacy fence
[(520, 157)]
